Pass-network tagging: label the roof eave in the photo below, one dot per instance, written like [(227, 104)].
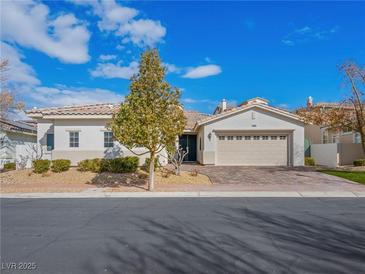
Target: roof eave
[(247, 107)]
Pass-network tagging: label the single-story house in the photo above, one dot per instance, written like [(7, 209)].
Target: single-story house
[(13, 133), (253, 134)]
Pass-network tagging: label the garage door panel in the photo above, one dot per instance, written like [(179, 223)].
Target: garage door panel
[(252, 152)]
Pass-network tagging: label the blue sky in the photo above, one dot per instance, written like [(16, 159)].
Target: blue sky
[(79, 52)]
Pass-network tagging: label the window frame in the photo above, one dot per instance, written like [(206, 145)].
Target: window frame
[(107, 142), (74, 141)]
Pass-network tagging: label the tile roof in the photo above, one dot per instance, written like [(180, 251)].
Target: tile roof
[(18, 126), (334, 105), (192, 117), (105, 109), (95, 109)]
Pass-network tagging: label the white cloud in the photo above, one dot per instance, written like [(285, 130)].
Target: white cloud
[(107, 57), (112, 15), (30, 24), (19, 72), (171, 68), (109, 70), (307, 34), (122, 22), (202, 71), (143, 32), (62, 96)]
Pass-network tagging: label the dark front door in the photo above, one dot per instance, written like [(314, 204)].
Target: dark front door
[(188, 141)]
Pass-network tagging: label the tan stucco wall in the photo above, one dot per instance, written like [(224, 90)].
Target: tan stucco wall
[(347, 138), (313, 134), (350, 152)]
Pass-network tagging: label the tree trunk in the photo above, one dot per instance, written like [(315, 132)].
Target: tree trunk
[(151, 178), (178, 170), (362, 139)]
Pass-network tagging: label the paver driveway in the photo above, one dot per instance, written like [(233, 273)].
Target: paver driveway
[(274, 178)]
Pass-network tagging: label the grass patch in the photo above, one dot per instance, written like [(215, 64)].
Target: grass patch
[(355, 176)]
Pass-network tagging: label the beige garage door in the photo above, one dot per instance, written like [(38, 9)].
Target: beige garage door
[(252, 150)]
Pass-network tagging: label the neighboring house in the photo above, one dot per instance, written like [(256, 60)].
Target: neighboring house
[(332, 147), (326, 135), (344, 135), (13, 133), (253, 133)]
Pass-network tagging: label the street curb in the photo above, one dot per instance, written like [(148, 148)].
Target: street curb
[(196, 194)]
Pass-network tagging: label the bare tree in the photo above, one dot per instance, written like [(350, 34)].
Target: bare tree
[(8, 102), (175, 156), (350, 113)]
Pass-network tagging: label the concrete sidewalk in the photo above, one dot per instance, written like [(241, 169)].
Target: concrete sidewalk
[(195, 194)]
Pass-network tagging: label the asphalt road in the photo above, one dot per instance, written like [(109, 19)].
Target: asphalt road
[(184, 235)]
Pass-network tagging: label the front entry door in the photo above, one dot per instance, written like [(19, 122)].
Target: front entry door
[(188, 141)]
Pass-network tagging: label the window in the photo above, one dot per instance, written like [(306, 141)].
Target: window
[(230, 138), (357, 138), (274, 137), (335, 139), (247, 138), (325, 137), (50, 142), (282, 137), (74, 139), (238, 137), (346, 130), (265, 137), (222, 138), (108, 139), (256, 137)]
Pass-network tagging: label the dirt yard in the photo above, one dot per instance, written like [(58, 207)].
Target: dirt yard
[(75, 181)]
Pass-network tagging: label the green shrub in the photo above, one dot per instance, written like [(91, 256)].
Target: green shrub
[(123, 164), (9, 166), (41, 166), (359, 162), (131, 163), (96, 165), (147, 163), (83, 165), (60, 165), (116, 165), (309, 161)]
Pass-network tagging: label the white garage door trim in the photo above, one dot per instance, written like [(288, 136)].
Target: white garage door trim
[(253, 148)]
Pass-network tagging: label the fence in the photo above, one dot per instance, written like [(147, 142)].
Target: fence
[(333, 155)]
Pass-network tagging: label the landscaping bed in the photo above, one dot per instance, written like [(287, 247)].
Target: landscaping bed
[(72, 180)]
